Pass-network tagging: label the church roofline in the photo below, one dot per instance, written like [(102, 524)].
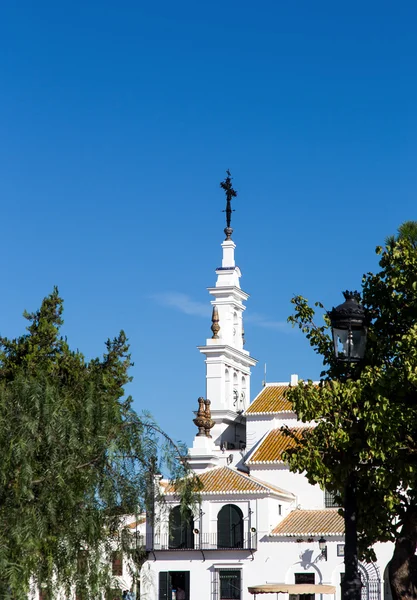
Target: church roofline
[(225, 481)]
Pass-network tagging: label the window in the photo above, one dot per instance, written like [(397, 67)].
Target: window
[(174, 580), (230, 527), (303, 578), (235, 324), (230, 585), (117, 564), (329, 500), (181, 526), (227, 382)]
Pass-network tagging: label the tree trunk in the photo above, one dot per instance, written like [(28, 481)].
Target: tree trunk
[(401, 568)]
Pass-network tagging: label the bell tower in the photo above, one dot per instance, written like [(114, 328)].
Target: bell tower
[(228, 364)]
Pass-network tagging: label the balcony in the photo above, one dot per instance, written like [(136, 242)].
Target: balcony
[(202, 541)]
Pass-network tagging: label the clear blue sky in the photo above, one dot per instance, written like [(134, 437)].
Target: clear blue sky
[(117, 122)]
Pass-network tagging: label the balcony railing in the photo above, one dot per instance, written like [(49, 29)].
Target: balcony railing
[(201, 541)]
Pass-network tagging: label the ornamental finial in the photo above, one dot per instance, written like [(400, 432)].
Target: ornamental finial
[(227, 186), (203, 420), (215, 324)]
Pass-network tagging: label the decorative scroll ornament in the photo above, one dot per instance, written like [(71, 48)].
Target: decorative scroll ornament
[(235, 397), (215, 323)]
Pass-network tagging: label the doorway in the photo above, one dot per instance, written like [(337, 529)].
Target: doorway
[(174, 585)]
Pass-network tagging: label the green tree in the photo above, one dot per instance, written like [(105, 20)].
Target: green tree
[(75, 459), (367, 415)]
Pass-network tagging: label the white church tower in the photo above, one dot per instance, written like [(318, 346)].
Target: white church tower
[(227, 363)]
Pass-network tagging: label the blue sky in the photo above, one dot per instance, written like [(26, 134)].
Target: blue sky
[(117, 123)]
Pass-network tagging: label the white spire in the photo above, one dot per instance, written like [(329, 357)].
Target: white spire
[(228, 363)]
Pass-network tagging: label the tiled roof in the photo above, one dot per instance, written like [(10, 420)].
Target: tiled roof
[(225, 480), (135, 524), (270, 400), (311, 523), (273, 445)]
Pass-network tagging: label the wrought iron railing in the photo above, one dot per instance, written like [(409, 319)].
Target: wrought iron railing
[(202, 541)]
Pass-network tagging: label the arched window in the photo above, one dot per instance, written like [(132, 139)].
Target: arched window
[(227, 382), (181, 526), (235, 325), (230, 527)]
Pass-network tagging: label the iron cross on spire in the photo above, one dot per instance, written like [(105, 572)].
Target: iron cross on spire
[(227, 186)]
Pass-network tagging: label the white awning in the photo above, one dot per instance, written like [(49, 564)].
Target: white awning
[(292, 588)]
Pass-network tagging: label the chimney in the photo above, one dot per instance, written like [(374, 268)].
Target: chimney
[(294, 379)]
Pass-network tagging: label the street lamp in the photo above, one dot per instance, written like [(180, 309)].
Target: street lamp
[(323, 547), (349, 329)]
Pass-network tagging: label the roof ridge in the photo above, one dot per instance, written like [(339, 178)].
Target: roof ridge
[(243, 474), (315, 509), (263, 484)]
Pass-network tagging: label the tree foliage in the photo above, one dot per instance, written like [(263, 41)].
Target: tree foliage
[(75, 458), (367, 416)]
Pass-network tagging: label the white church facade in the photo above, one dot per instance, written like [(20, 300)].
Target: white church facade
[(257, 523)]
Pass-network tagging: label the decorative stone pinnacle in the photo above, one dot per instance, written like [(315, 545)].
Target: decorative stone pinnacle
[(200, 419), (215, 323), (227, 186), (203, 419), (207, 408), (209, 421)]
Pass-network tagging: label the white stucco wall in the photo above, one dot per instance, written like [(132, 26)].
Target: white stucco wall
[(274, 561), (307, 496)]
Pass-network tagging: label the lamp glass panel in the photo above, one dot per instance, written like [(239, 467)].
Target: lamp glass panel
[(358, 343), (341, 342)]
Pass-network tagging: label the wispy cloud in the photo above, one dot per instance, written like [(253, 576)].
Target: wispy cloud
[(183, 303), (262, 321), (188, 306)]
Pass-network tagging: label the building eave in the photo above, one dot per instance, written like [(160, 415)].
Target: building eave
[(217, 349), (227, 289), (308, 534)]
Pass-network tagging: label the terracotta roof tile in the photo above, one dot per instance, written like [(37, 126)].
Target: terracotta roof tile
[(135, 524), (273, 445), (225, 480), (270, 400), (311, 523)]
